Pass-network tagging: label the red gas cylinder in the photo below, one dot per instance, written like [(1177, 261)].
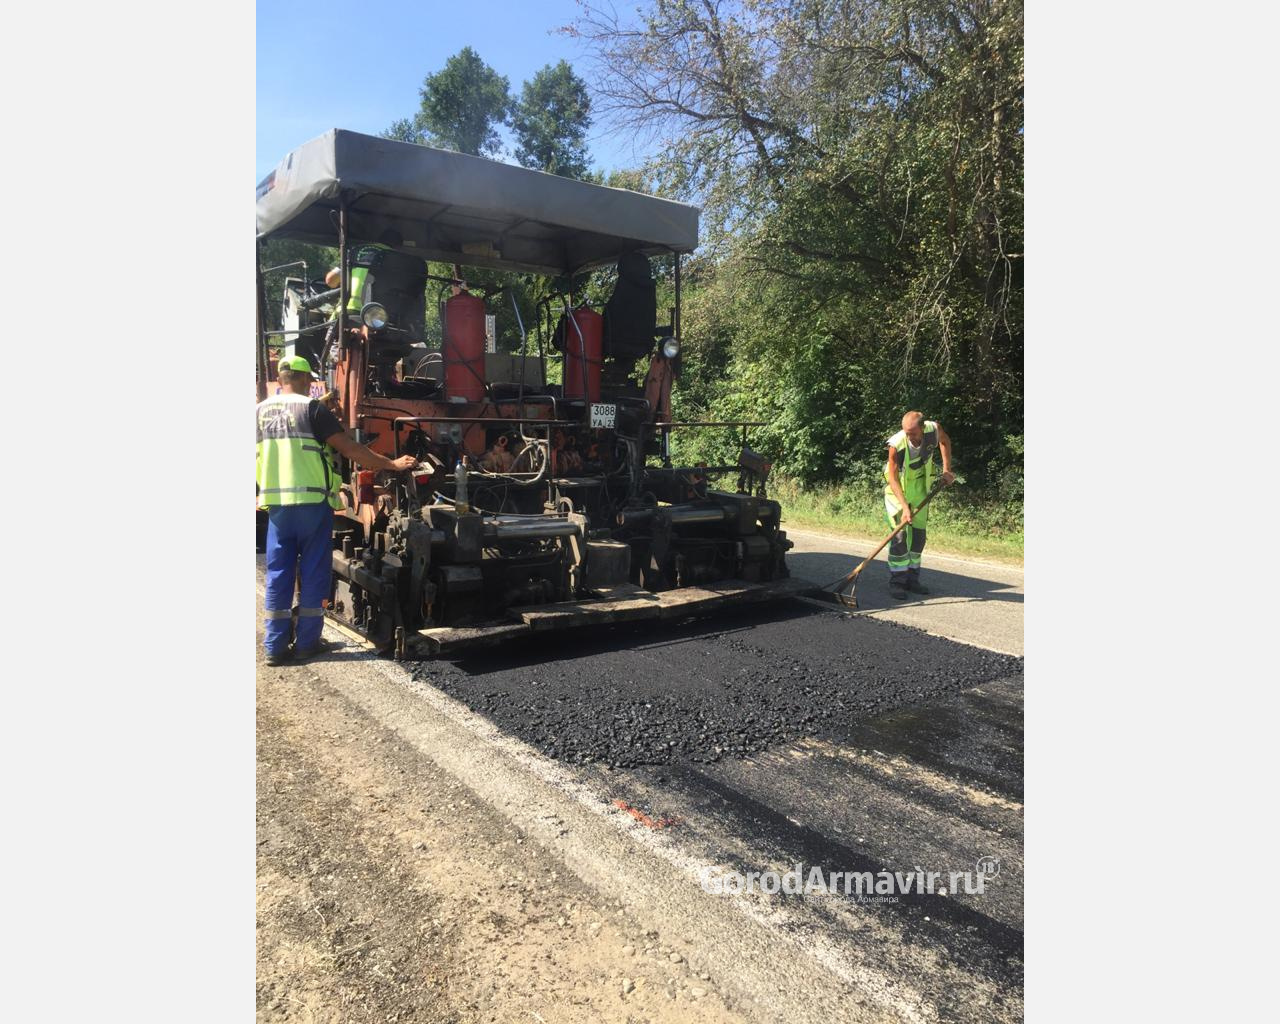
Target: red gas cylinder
[(583, 354), (464, 347)]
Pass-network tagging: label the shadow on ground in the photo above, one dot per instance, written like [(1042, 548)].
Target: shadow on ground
[(825, 567)]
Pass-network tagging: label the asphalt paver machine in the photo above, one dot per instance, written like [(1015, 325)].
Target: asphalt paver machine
[(537, 504)]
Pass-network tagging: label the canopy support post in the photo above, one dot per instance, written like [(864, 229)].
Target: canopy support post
[(260, 288), (676, 326), (340, 329)]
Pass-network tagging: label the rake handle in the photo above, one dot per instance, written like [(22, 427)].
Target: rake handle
[(896, 530)]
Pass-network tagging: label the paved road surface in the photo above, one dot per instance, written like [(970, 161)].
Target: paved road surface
[(973, 602), (929, 781)]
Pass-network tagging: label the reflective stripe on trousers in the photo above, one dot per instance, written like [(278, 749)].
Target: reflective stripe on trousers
[(906, 548), (299, 548)]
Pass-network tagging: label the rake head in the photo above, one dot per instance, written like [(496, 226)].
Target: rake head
[(849, 600)]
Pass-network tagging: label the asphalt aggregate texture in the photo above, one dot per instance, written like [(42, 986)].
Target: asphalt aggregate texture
[(723, 686)]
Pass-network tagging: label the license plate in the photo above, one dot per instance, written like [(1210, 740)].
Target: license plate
[(604, 414)]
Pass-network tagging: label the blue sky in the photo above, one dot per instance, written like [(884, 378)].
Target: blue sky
[(297, 99)]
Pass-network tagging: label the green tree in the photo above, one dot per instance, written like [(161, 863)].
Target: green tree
[(462, 105), (550, 121), (406, 129), (859, 165)]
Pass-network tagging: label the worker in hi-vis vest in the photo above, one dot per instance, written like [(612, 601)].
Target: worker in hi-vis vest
[(365, 265), (909, 474), (297, 486), (364, 262)]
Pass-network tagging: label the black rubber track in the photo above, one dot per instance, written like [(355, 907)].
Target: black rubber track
[(726, 685)]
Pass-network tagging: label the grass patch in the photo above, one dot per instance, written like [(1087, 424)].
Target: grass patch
[(959, 523)]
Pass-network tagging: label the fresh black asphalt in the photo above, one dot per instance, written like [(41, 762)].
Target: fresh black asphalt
[(724, 686)]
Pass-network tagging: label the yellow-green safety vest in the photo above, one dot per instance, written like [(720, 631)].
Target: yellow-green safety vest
[(335, 478), (915, 473), (292, 466), (366, 260)]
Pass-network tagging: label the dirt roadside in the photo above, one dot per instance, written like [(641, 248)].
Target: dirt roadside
[(388, 892)]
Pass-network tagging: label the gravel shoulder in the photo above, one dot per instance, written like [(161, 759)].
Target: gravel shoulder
[(388, 892)]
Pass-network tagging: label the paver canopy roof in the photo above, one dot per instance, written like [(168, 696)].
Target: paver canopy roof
[(463, 209)]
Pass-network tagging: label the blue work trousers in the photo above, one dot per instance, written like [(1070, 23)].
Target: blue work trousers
[(299, 546)]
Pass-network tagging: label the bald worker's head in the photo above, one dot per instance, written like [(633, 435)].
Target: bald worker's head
[(913, 424)]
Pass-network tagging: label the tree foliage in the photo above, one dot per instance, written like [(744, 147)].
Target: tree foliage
[(462, 106), (550, 122), (859, 163), (406, 129)]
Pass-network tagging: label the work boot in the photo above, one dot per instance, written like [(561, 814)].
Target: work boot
[(323, 647), (916, 587), (277, 658), (898, 591)]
